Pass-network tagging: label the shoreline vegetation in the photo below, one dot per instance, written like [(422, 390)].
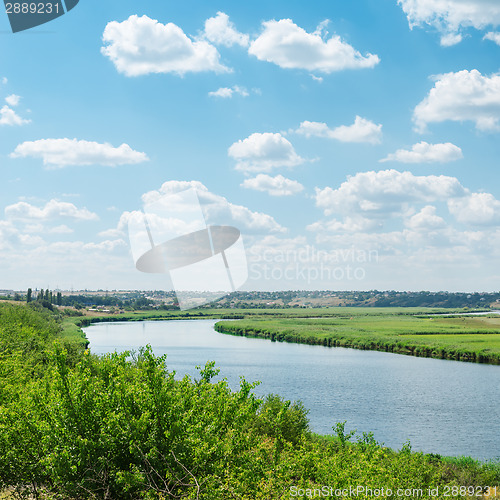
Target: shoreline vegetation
[(465, 338), (453, 334), (74, 425)]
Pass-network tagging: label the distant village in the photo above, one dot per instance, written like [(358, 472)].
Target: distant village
[(115, 301)]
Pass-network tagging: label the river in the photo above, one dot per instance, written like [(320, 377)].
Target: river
[(440, 406)]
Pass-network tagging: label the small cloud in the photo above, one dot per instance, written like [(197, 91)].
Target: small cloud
[(425, 220), (494, 36), (52, 209), (274, 186), (228, 92), (462, 96), (263, 152), (59, 153), (426, 153), (362, 130), (450, 39), (5, 80), (12, 100), (10, 118), (290, 46), (221, 31), (112, 233)]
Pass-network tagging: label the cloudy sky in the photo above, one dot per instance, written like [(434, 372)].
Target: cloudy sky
[(354, 143)]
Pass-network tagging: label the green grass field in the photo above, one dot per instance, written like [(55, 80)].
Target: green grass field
[(416, 333)]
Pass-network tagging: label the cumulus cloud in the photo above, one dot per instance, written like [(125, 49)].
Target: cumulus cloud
[(476, 209), (263, 152), (141, 45), (450, 39), (449, 16), (379, 194), (58, 153), (10, 118), (494, 36), (275, 186), (362, 130), (217, 209), (426, 153), (426, 220), (52, 209), (221, 31), (462, 96), (12, 100), (368, 200), (290, 46), (228, 92)]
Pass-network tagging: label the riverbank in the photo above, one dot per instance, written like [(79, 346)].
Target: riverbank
[(472, 339), (425, 332)]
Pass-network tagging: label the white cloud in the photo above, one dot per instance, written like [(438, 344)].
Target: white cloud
[(426, 220), (227, 92), (217, 209), (449, 16), (426, 153), (450, 39), (141, 45), (51, 210), (40, 228), (275, 186), (379, 194), (354, 224), (111, 233), (462, 96), (12, 100), (106, 246), (290, 46), (58, 153), (494, 36), (263, 152), (476, 209), (362, 130), (221, 31), (62, 229), (9, 117)]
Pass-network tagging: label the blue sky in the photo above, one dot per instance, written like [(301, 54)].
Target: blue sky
[(355, 144)]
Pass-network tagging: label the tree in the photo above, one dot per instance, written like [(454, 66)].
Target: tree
[(28, 295)]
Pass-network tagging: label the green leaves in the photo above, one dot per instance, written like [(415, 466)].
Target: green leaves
[(121, 426)]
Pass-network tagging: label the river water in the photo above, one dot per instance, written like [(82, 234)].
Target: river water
[(440, 406)]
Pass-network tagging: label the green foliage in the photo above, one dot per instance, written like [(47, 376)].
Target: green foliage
[(122, 426), (282, 420), (343, 438)]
